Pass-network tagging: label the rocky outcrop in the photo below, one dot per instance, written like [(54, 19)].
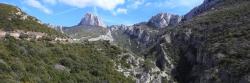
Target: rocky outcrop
[(137, 70), (56, 27), (91, 20), (145, 34), (22, 15), (107, 37), (138, 36), (119, 27), (61, 67), (163, 20)]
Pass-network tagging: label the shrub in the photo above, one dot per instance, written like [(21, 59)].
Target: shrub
[(23, 36)]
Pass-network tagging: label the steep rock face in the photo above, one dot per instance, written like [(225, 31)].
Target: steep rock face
[(107, 37), (141, 37), (163, 20), (164, 55), (210, 49), (91, 20), (136, 37)]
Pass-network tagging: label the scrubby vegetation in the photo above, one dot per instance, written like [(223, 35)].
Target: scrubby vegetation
[(35, 62), (219, 37), (43, 61), (85, 31), (213, 47), (12, 18), (225, 31)]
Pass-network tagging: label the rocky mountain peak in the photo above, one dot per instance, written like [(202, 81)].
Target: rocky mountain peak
[(90, 19), (162, 20)]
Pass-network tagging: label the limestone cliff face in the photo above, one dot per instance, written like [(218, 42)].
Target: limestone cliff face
[(146, 39), (163, 20), (136, 37), (143, 35), (56, 27), (91, 20)]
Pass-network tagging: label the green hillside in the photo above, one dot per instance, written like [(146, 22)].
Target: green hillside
[(85, 31), (13, 18), (42, 61), (212, 47), (35, 62)]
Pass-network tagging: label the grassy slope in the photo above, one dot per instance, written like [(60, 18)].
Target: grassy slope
[(33, 62), (10, 21)]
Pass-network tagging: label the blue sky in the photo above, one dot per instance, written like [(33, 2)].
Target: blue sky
[(70, 12)]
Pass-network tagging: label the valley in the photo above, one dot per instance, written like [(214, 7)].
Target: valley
[(209, 44)]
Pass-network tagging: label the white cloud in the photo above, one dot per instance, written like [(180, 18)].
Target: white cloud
[(38, 5), (148, 4), (135, 3), (110, 5), (104, 4), (122, 11)]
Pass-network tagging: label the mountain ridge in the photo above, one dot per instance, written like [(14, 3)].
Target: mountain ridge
[(163, 20), (209, 45)]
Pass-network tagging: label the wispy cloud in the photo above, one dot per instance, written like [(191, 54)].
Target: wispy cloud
[(135, 3), (104, 4), (38, 5), (148, 4), (130, 4), (110, 5), (53, 2), (122, 10)]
